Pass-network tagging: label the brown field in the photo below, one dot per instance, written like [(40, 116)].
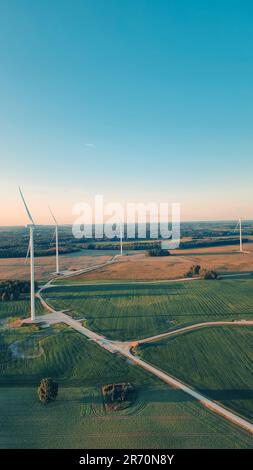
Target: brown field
[(137, 267), (223, 259), (16, 268)]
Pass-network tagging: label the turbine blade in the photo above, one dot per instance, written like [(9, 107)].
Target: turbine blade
[(53, 237), (26, 207), (236, 226), (28, 252), (55, 221)]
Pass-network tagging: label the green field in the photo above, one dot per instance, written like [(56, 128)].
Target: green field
[(216, 360), (160, 417), (127, 311), (18, 309)]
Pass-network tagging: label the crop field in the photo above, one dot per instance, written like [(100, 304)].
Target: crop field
[(161, 417), (216, 360), (223, 259), (16, 268), (18, 308), (126, 311)]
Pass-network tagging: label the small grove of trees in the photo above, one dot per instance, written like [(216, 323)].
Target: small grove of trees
[(118, 396), (158, 251), (47, 390), (209, 274), (135, 245), (11, 290), (193, 271)]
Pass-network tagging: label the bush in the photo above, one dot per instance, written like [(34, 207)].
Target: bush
[(118, 396), (209, 274), (158, 251), (11, 290), (47, 390)]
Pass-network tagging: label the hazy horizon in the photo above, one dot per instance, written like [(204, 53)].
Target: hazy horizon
[(225, 221)]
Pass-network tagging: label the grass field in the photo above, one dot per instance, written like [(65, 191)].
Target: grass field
[(127, 311), (18, 309), (160, 418), (217, 361)]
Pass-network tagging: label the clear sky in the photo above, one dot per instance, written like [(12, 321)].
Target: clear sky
[(139, 100)]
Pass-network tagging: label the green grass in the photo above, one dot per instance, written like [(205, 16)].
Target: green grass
[(127, 311), (67, 356), (216, 360), (18, 308), (160, 418)]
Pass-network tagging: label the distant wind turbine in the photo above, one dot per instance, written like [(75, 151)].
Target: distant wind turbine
[(56, 242), (31, 227), (121, 236), (240, 228)]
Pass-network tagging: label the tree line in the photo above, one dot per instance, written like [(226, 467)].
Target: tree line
[(12, 290)]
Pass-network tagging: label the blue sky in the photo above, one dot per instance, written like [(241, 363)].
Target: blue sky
[(137, 100)]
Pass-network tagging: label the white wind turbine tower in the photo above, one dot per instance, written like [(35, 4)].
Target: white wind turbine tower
[(31, 227), (56, 242), (240, 228)]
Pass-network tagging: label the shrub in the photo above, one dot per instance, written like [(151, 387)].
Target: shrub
[(209, 274), (47, 390), (158, 251)]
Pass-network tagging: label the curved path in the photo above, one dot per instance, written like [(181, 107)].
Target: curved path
[(210, 404), (195, 326), (124, 348), (88, 269)]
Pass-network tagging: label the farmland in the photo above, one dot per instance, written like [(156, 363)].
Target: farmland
[(16, 268), (133, 311), (18, 309), (215, 361), (134, 265), (160, 418), (223, 259)]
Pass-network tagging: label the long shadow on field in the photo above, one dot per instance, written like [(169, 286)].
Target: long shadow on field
[(115, 287), (228, 394)]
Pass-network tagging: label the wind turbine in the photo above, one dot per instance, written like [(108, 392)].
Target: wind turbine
[(56, 242), (240, 228), (31, 227)]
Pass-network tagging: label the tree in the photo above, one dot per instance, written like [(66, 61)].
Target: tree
[(196, 269), (209, 274), (47, 390), (158, 251), (193, 271)]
